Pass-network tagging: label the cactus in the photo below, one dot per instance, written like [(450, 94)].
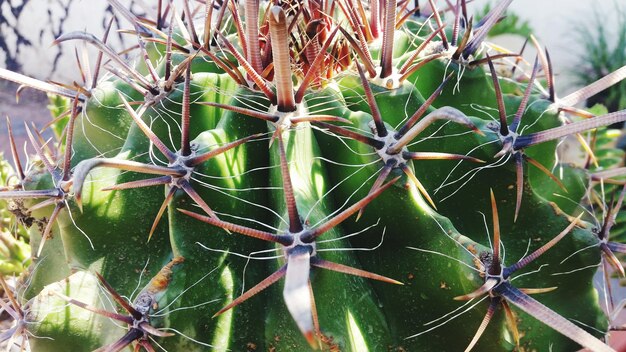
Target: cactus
[(312, 175)]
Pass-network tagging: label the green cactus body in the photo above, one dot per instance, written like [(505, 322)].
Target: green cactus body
[(409, 307), (71, 327), (222, 172), (104, 125), (348, 312), (466, 93), (190, 239), (390, 102)]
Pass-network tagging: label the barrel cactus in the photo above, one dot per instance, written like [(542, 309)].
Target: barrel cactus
[(332, 175)]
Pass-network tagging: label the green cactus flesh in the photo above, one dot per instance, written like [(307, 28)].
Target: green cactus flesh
[(354, 179)]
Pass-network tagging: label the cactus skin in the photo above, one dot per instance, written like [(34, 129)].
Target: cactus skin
[(205, 130)]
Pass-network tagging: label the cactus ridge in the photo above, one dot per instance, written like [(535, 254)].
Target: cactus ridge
[(243, 132)]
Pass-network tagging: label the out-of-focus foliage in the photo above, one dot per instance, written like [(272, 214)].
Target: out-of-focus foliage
[(603, 51), (511, 24), (14, 248)]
